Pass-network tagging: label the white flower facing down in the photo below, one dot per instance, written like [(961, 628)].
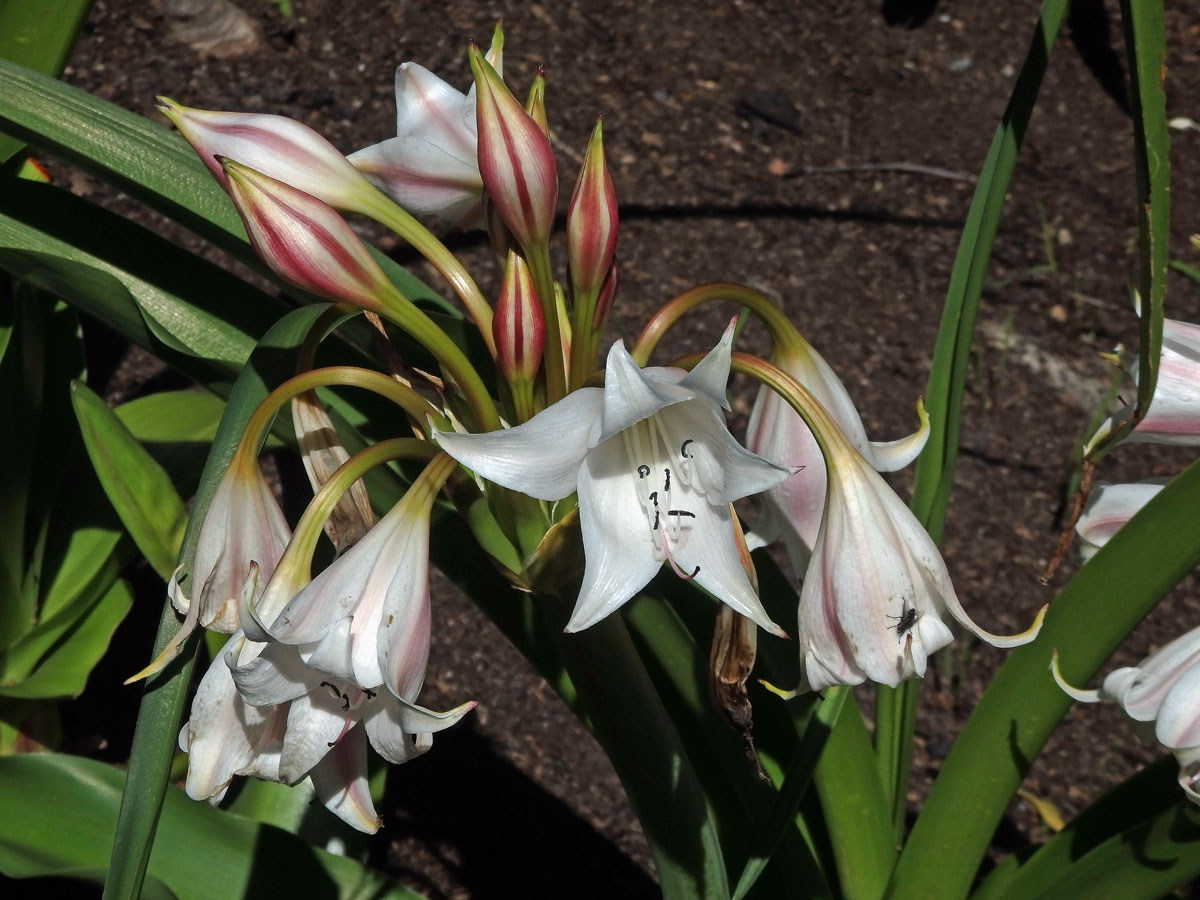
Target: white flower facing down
[(226, 736), (875, 588), (352, 644), (792, 510), (244, 525), (1164, 689), (655, 469)]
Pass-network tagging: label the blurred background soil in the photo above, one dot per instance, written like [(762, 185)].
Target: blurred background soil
[(826, 154)]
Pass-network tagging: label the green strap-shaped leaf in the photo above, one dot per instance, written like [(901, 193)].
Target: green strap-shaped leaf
[(64, 671), (188, 305), (629, 720), (1149, 793), (60, 812), (138, 488), (38, 35), (672, 637), (1145, 46), (1146, 862), (1022, 706)]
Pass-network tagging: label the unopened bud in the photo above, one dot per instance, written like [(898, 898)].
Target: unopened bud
[(305, 241), (592, 222), (515, 159), (279, 147), (518, 327)]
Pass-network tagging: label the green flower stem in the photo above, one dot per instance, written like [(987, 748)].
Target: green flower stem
[(552, 356), (303, 544), (783, 332), (584, 339), (895, 718), (420, 409), (397, 308), (387, 213)]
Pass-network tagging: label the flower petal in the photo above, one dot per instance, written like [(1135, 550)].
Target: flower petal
[(630, 396), (220, 733), (315, 722), (541, 457), (711, 552), (276, 676), (1177, 726), (710, 376), (340, 780), (392, 724), (617, 543), (726, 470)]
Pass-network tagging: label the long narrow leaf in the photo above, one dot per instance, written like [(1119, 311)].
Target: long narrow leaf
[(1149, 793), (38, 35), (201, 853), (138, 488), (1145, 47), (1015, 717)]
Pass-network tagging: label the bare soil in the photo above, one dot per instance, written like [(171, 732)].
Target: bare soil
[(711, 113)]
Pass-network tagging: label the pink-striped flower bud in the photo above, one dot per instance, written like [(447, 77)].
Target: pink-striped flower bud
[(282, 148), (305, 241), (592, 222), (515, 159), (518, 327), (604, 301)]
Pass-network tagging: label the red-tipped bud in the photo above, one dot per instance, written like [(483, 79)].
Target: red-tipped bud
[(305, 241), (515, 159), (518, 327), (277, 146), (592, 222), (535, 103), (604, 301)]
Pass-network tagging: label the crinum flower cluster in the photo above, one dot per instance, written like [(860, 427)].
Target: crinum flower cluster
[(635, 462)]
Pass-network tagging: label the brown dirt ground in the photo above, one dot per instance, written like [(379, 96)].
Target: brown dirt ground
[(704, 107)]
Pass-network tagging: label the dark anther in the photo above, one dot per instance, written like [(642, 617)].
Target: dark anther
[(345, 702), (654, 498), (667, 484), (370, 693), (681, 512), (695, 572), (655, 528), (332, 687), (331, 744), (643, 470), (683, 449)]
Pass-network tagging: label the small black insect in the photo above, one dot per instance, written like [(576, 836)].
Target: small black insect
[(905, 621)]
